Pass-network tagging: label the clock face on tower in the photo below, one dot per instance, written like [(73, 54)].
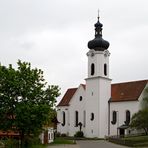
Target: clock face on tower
[(92, 54), (106, 53)]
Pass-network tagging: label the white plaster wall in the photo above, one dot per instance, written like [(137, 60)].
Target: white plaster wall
[(63, 129), (104, 95), (92, 105), (97, 103), (77, 105), (121, 107), (99, 59)]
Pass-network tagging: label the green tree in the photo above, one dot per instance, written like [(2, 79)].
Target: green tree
[(140, 119), (25, 100)]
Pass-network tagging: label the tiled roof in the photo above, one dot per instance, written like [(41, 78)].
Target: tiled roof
[(9, 133), (128, 91), (84, 86), (67, 97)]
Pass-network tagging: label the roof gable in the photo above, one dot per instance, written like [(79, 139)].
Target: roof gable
[(67, 97), (128, 91)]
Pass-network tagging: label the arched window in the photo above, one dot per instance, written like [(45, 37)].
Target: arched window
[(80, 98), (114, 117), (105, 69), (128, 117), (76, 118), (92, 69), (63, 124), (92, 117), (84, 118)]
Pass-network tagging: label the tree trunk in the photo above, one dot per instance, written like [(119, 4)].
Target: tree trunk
[(22, 140), (145, 131)]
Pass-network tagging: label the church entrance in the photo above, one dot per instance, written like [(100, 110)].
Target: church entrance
[(122, 132), (122, 129)]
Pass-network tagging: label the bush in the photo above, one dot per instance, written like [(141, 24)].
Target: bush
[(63, 135), (58, 134), (10, 143), (79, 134)]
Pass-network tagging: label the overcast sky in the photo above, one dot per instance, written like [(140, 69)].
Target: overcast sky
[(53, 35)]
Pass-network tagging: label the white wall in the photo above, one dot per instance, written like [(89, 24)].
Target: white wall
[(98, 94), (63, 129), (121, 107), (77, 105), (74, 105), (99, 59)]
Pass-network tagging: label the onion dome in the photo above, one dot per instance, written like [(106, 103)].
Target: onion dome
[(98, 43)]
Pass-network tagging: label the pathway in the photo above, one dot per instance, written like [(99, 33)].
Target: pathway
[(89, 144)]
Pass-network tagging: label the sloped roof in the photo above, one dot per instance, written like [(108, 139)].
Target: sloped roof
[(127, 91), (67, 97), (84, 86)]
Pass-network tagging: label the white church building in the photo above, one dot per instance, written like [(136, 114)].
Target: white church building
[(102, 108)]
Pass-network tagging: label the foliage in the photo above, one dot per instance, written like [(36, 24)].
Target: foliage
[(140, 120), (63, 135), (10, 143), (25, 99), (145, 99), (79, 134)]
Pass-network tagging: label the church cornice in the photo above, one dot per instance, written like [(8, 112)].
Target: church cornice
[(92, 52), (98, 77)]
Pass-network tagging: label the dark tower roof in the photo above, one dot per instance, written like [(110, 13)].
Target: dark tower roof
[(98, 43)]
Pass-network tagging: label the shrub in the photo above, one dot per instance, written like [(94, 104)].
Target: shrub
[(63, 135), (58, 134), (79, 134)]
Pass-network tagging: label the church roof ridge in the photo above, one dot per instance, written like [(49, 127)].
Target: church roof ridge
[(133, 81)]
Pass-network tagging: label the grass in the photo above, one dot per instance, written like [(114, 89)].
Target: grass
[(137, 141), (63, 140), (39, 146)]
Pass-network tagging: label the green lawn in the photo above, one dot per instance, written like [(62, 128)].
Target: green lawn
[(139, 141), (63, 140), (39, 146)]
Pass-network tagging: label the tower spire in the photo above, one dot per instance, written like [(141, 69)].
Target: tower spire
[(98, 13)]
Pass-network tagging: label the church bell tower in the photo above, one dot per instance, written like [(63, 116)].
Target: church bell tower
[(98, 85)]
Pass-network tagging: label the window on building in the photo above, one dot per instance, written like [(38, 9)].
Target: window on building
[(49, 136), (63, 124), (92, 117), (80, 98), (76, 118), (128, 116), (84, 118), (105, 69), (92, 69), (114, 117)]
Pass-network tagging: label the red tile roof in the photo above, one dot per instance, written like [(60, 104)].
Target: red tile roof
[(128, 91), (9, 133), (84, 86), (67, 97)]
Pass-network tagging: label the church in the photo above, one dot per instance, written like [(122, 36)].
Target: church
[(100, 107)]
